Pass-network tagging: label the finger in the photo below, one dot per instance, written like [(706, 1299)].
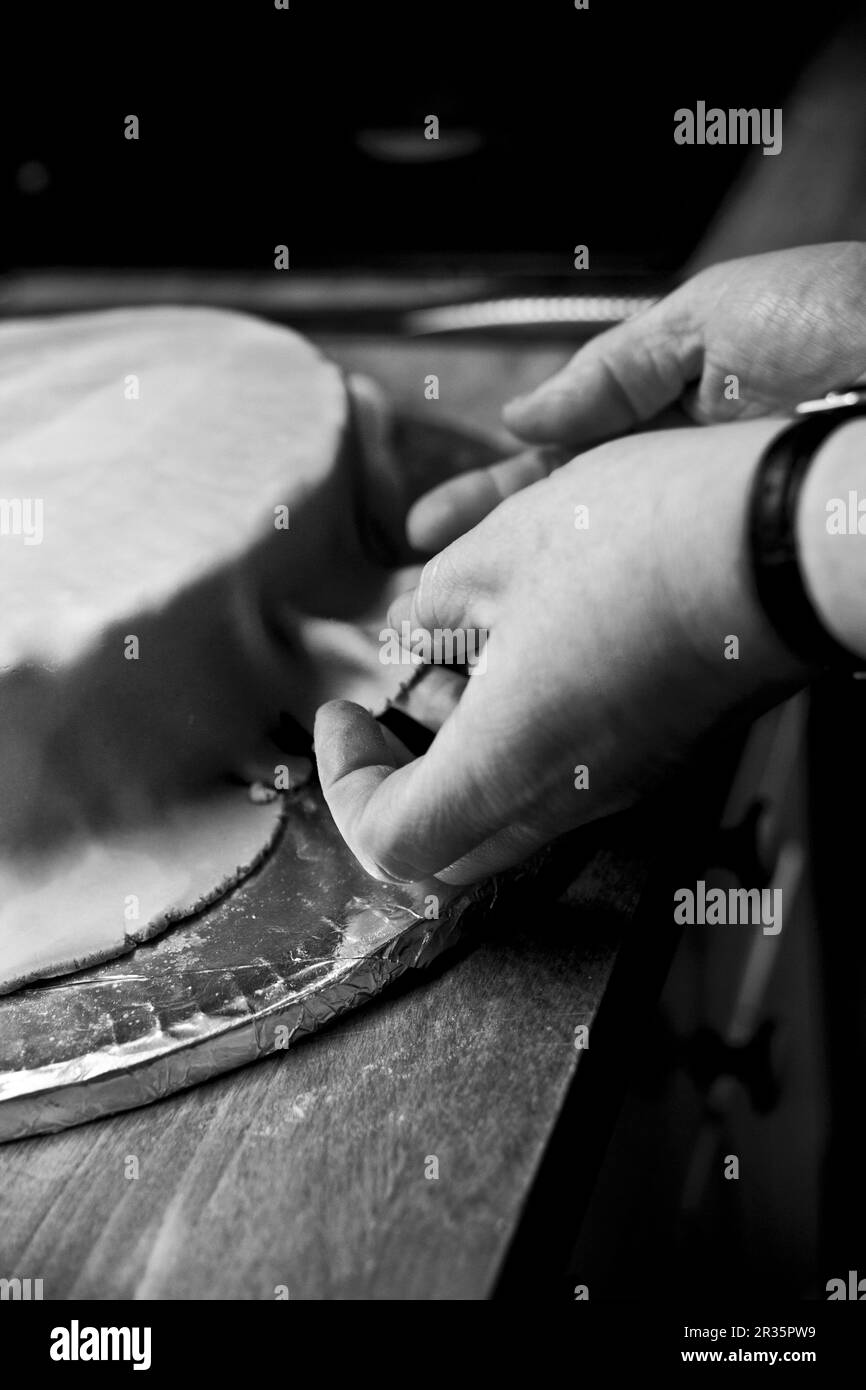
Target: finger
[(401, 458), (458, 504), (398, 752), (504, 850), (403, 824), (439, 622), (429, 451), (354, 755), (619, 380), (432, 699), (440, 600)]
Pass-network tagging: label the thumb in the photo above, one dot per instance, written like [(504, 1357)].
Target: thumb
[(618, 380), (408, 822), (452, 508), (405, 823)]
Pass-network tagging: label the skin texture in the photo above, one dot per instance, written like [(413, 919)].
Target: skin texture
[(790, 326), (607, 644), (605, 649)]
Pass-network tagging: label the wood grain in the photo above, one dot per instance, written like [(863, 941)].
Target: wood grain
[(308, 1170)]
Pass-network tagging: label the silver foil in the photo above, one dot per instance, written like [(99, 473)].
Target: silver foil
[(307, 937)]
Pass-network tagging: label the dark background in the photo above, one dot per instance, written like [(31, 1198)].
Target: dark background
[(253, 121)]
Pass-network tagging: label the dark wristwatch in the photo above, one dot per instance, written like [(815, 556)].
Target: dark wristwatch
[(772, 531)]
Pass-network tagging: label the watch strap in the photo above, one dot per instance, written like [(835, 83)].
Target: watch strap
[(776, 568)]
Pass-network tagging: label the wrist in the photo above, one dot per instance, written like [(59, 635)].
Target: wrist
[(709, 569)]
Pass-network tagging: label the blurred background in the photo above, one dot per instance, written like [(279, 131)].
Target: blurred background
[(305, 128)]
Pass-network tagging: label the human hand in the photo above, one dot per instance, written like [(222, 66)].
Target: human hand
[(741, 339), (606, 651), (789, 325)]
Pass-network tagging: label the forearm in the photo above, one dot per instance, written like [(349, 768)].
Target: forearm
[(704, 558)]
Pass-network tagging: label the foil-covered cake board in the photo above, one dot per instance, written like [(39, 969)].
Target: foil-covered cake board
[(307, 937)]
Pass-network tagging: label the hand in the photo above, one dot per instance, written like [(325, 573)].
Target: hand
[(789, 325), (349, 553), (741, 339), (606, 650)]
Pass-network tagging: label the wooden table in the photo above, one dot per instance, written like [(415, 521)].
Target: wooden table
[(390, 1157), (441, 1142)]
